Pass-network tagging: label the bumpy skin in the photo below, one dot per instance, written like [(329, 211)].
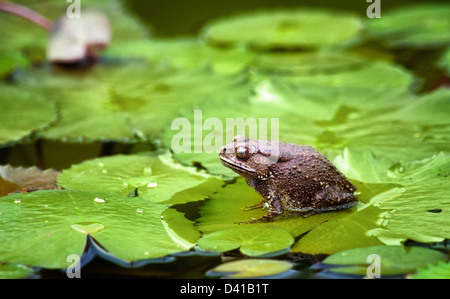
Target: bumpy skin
[(289, 177)]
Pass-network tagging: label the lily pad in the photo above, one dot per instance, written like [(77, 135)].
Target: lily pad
[(444, 62), (285, 29), (23, 113), (306, 63), (252, 241), (184, 53), (417, 26), (56, 223), (440, 270), (394, 260), (11, 271), (251, 268), (148, 177), (117, 102), (409, 204)]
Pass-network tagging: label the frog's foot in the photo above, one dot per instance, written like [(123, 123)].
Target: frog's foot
[(303, 214), (266, 218), (275, 210), (253, 207)]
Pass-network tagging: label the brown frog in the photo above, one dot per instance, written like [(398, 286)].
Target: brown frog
[(289, 177)]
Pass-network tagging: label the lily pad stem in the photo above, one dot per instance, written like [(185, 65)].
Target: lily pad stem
[(26, 13)]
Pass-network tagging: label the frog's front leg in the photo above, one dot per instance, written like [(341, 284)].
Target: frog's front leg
[(275, 209), (253, 207)]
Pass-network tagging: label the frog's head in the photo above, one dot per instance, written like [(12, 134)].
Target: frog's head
[(251, 158)]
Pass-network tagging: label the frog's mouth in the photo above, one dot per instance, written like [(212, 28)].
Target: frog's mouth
[(235, 167)]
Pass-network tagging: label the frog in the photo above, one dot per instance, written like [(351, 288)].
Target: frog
[(291, 178)]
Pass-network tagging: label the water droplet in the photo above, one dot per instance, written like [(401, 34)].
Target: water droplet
[(99, 200), (139, 210), (88, 227), (146, 253), (152, 185), (104, 171), (148, 170), (17, 201), (101, 164)]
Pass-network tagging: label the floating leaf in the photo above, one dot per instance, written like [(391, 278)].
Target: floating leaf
[(252, 240), (15, 271), (306, 63), (147, 177), (284, 29), (23, 113), (184, 53), (444, 62), (251, 268), (421, 25), (393, 260), (110, 106), (408, 203), (57, 221), (439, 271)]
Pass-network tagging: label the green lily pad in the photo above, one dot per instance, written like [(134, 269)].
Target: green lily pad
[(419, 210), (306, 63), (23, 113), (57, 222), (439, 271), (444, 62), (11, 61), (153, 178), (184, 53), (251, 240), (421, 26), (393, 260), (251, 268), (117, 102), (12, 271), (418, 195), (284, 29), (113, 199), (420, 123)]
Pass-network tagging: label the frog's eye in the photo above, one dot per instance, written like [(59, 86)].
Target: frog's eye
[(242, 152)]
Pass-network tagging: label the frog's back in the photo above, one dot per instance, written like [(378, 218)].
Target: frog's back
[(308, 174)]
